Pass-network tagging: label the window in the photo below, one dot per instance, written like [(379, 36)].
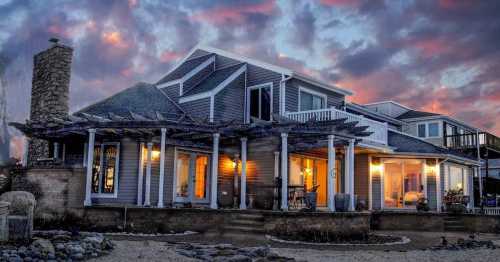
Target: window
[(105, 169), (260, 99), (433, 129), (307, 173), (421, 130), (456, 179), (310, 100), (426, 130)]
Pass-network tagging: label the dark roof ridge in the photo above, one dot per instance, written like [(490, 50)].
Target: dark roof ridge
[(207, 76)]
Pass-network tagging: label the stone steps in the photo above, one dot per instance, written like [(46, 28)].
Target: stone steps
[(246, 223), (453, 223)]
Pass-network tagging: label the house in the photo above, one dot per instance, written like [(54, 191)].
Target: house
[(220, 130)]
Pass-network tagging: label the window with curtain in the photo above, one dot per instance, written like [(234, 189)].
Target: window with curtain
[(309, 101)]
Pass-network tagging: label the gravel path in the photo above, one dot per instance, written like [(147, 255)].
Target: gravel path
[(146, 249), (375, 255)]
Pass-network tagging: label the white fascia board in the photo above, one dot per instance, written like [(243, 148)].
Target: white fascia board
[(216, 90), (460, 160), (251, 61), (198, 68), (322, 85), (169, 83)]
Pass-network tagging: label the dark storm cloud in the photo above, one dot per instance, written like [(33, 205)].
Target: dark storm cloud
[(365, 61)]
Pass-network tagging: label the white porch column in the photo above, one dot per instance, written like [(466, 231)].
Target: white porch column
[(243, 187), (147, 196), (26, 151), (162, 166), (331, 174), (56, 150), (215, 171), (351, 175), (439, 197), (480, 181), (90, 164), (140, 178), (284, 171)]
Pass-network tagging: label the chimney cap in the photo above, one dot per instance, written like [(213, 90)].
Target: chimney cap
[(54, 40)]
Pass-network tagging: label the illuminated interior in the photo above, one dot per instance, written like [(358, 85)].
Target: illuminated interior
[(306, 173), (402, 182), (104, 168), (201, 176), (192, 176)]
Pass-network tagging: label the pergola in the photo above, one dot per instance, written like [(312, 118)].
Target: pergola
[(189, 132)]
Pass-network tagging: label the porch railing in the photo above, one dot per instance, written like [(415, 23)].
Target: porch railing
[(470, 141), (490, 211), (378, 129)]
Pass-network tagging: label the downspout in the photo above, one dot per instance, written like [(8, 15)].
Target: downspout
[(282, 93)]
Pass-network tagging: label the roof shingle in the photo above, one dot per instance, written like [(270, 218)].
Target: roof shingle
[(184, 68)]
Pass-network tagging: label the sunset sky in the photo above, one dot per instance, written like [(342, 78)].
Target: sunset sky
[(440, 56)]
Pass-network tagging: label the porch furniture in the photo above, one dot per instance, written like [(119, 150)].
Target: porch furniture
[(296, 195), (342, 202)]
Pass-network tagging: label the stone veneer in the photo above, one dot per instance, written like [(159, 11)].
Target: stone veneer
[(49, 92)]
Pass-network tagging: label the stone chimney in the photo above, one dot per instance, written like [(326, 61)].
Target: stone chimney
[(49, 92)]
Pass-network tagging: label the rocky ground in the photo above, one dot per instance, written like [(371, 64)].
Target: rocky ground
[(57, 246)]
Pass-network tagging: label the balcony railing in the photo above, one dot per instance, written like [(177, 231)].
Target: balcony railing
[(470, 140), (378, 129)]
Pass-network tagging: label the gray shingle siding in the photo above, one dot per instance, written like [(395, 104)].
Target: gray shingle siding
[(199, 109), (127, 175), (222, 61), (229, 102), (172, 91), (258, 75), (292, 95), (198, 77)]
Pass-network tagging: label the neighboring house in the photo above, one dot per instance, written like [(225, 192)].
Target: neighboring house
[(223, 130)]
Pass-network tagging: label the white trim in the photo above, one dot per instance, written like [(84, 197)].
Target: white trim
[(169, 83), (215, 171), (117, 172), (195, 71), (264, 65), (212, 108), (439, 195), (147, 195), (140, 178), (259, 86), (314, 93), (331, 176), (174, 175), (90, 164), (427, 123), (216, 90), (284, 171), (243, 186), (161, 181), (370, 184)]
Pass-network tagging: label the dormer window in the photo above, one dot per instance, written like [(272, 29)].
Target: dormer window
[(260, 102), (311, 100)]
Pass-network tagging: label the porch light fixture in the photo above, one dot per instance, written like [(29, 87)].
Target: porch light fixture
[(155, 155), (376, 167)]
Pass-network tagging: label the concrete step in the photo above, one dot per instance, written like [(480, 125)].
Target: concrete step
[(244, 229)]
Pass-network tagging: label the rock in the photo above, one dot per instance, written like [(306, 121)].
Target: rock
[(44, 245), (256, 251), (78, 256)]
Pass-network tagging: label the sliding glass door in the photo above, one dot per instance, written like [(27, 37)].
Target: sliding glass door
[(191, 177), (403, 182)]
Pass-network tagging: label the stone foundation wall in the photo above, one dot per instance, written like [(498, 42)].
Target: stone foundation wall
[(56, 191), (432, 222)]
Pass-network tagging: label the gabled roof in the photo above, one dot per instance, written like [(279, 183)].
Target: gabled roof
[(213, 80), (183, 68), (416, 114), (278, 69), (143, 99)]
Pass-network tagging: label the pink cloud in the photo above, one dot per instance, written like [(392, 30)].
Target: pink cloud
[(432, 47), (339, 3), (169, 56), (233, 14)]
